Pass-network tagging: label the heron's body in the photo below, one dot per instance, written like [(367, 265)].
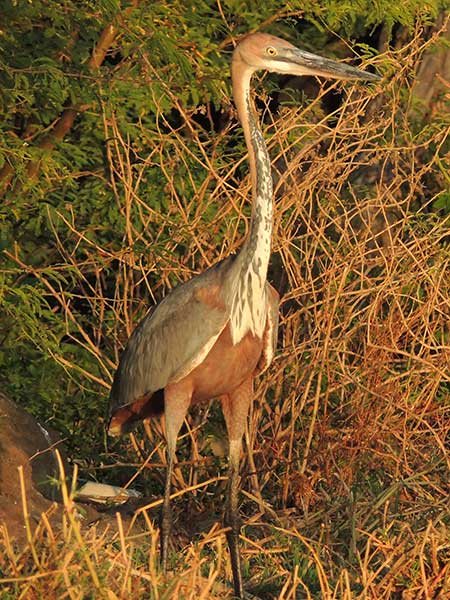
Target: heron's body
[(204, 357), (211, 335)]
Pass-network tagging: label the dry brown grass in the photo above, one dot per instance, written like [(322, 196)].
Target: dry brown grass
[(345, 476)]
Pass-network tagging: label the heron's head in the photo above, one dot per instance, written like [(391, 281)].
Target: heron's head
[(258, 51)]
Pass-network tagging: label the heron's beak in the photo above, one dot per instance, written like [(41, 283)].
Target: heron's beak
[(300, 62)]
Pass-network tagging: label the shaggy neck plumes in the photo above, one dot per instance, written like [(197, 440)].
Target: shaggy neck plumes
[(248, 312)]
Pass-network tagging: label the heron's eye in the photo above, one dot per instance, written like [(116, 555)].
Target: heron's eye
[(271, 51)]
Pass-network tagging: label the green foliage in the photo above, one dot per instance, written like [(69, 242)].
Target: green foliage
[(143, 189)]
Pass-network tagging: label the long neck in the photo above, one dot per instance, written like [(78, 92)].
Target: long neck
[(256, 248), (249, 308)]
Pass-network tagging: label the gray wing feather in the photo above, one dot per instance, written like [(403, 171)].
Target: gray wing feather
[(169, 340)]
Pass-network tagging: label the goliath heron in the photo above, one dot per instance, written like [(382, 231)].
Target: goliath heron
[(210, 336)]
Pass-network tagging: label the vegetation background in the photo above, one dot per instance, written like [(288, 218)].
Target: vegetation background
[(122, 173)]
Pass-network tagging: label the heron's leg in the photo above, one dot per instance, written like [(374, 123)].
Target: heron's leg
[(235, 409), (176, 403)]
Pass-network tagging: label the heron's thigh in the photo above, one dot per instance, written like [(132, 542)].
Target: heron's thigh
[(177, 398), (235, 407)]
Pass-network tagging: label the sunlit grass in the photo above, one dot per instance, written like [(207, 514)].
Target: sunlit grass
[(345, 474)]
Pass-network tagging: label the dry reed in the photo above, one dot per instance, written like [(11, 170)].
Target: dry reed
[(347, 455)]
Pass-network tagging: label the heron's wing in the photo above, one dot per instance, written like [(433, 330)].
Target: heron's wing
[(270, 336), (173, 339)]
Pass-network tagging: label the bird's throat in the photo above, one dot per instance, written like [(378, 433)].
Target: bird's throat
[(249, 309)]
